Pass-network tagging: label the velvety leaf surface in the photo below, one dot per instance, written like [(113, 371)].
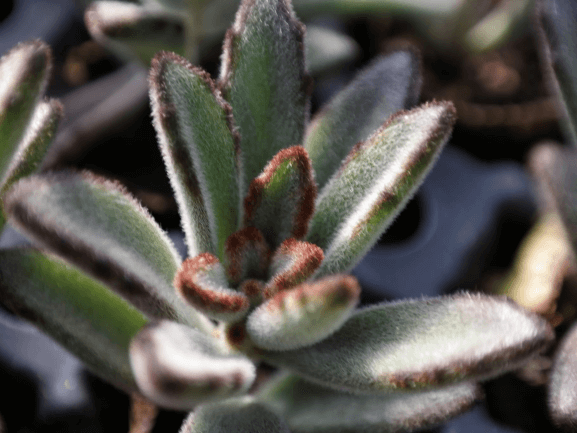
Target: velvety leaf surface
[(416, 344), (24, 73), (375, 182), (241, 415), (133, 30), (310, 408), (263, 77), (94, 224), (81, 314), (179, 367), (194, 130), (280, 201), (304, 315), (563, 382), (389, 84), (247, 255)]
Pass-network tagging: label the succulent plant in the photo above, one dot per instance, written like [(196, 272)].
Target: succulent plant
[(275, 211)]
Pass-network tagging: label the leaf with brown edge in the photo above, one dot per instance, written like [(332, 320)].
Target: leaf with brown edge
[(96, 225), (24, 73), (202, 282), (292, 263), (387, 85), (417, 344), (247, 255), (78, 312), (563, 382), (375, 182), (304, 315), (263, 77), (178, 367), (309, 408), (235, 415), (194, 127), (281, 200)]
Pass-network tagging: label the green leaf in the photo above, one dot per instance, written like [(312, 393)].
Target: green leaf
[(281, 200), (78, 312), (240, 415), (304, 315), (94, 224), (132, 30), (200, 152), (377, 7), (327, 49), (417, 344), (310, 408), (263, 77), (389, 84), (247, 255), (24, 73), (375, 182), (179, 367), (563, 382)]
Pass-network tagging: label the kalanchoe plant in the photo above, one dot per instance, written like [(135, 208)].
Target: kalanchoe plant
[(275, 211)]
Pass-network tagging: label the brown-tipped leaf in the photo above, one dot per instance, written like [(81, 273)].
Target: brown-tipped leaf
[(247, 255)]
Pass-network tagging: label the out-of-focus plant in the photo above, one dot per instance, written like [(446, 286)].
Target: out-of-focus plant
[(275, 211)]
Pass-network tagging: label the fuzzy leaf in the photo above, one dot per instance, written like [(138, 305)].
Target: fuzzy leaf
[(304, 315), (247, 255), (397, 345), (375, 182), (24, 73), (310, 408), (389, 84), (94, 224), (178, 367), (134, 30), (563, 382), (239, 415), (263, 77), (202, 282), (281, 200), (200, 152), (327, 49), (78, 312)]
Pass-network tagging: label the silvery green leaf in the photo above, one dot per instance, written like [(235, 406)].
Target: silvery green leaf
[(94, 224), (421, 343), (179, 367), (563, 382), (263, 77), (327, 49), (375, 182), (201, 154), (133, 30), (281, 200), (377, 7), (239, 415), (81, 314), (247, 255), (309, 408), (389, 84), (24, 73), (304, 315)]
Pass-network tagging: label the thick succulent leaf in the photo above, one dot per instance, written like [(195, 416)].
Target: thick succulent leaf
[(263, 77), (281, 200), (133, 30), (24, 73), (94, 224), (375, 182), (416, 344), (240, 415), (179, 367), (81, 314), (389, 84), (247, 255), (377, 7), (563, 382), (558, 37), (200, 152), (202, 282), (327, 49), (304, 315), (310, 408)]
